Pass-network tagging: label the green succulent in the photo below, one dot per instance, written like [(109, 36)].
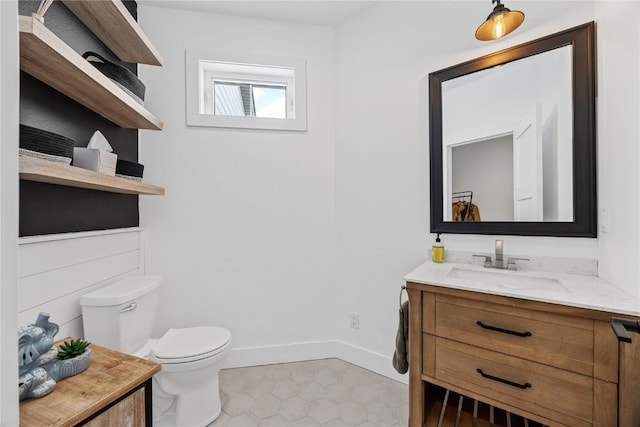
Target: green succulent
[(72, 348)]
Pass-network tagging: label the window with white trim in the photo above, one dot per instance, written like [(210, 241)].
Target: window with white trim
[(245, 91)]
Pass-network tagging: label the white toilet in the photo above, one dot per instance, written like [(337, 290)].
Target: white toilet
[(185, 392)]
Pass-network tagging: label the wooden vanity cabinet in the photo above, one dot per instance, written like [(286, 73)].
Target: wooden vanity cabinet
[(554, 364)]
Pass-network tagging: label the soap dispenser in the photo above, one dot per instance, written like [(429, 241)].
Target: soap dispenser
[(437, 251)]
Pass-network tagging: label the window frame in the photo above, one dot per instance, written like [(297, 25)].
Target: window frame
[(196, 79)]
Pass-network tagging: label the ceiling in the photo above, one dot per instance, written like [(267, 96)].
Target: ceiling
[(326, 12)]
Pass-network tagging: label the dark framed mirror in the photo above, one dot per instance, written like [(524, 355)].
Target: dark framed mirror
[(512, 140)]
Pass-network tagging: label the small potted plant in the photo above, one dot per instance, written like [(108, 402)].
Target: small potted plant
[(73, 348), (73, 357)]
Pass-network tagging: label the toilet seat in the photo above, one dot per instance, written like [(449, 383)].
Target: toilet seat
[(190, 344)]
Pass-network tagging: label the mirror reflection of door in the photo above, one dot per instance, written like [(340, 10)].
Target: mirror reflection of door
[(500, 101), (527, 169), (512, 176)]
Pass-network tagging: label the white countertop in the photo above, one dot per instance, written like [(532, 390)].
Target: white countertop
[(576, 290)]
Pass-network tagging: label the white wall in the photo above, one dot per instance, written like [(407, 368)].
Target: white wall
[(382, 208), (244, 234), (618, 109), (9, 99)]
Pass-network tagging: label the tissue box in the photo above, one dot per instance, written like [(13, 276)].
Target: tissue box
[(95, 159)]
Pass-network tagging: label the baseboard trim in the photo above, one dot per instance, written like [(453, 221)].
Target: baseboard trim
[(376, 362), (284, 353)]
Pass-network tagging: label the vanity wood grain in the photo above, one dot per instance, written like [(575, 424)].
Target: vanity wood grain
[(561, 395), (557, 340), (110, 377), (571, 359), (129, 412)]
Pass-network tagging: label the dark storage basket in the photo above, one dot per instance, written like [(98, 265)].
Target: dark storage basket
[(119, 74), (42, 141), (127, 168)]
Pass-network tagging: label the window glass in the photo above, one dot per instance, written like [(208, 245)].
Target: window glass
[(228, 99), (270, 101), (249, 99), (255, 92)]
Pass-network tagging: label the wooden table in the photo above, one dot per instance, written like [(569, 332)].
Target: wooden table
[(114, 390)]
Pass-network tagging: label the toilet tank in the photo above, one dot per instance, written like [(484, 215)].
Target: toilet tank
[(120, 316)]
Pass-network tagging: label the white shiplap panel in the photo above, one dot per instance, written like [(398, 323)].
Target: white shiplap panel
[(70, 329), (40, 288), (54, 271), (35, 256), (67, 307)]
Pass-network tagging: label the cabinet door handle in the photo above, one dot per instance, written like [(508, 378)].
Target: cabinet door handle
[(503, 381), (504, 331)]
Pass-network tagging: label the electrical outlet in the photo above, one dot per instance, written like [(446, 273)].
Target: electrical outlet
[(354, 320)]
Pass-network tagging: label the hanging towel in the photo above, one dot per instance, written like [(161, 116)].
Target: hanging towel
[(465, 211), (401, 355), (473, 214)]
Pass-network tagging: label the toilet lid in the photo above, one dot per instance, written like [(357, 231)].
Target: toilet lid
[(188, 344)]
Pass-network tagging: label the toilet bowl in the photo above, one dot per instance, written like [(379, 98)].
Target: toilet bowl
[(186, 390), (190, 359)]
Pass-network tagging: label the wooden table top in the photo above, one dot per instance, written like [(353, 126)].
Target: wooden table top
[(110, 375)]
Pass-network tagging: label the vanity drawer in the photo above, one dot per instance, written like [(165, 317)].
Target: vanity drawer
[(554, 393), (557, 340)]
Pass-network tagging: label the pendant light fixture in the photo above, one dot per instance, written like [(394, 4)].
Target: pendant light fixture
[(499, 23)]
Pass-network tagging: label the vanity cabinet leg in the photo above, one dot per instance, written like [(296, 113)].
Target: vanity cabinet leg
[(148, 403), (417, 388), (629, 372), (417, 405)]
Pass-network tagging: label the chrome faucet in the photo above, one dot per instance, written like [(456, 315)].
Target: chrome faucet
[(499, 259), (499, 262)]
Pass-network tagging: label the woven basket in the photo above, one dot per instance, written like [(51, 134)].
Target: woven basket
[(118, 74), (129, 169), (42, 141)]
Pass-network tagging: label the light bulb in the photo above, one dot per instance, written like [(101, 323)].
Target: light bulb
[(498, 26)]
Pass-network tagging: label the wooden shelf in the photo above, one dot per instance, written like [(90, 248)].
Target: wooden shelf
[(113, 24), (34, 169), (50, 60)]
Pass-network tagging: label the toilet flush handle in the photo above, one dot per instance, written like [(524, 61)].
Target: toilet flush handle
[(131, 307)]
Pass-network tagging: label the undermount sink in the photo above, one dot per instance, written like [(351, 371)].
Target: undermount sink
[(506, 280)]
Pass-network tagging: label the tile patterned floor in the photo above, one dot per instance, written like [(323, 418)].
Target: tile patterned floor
[(327, 392)]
